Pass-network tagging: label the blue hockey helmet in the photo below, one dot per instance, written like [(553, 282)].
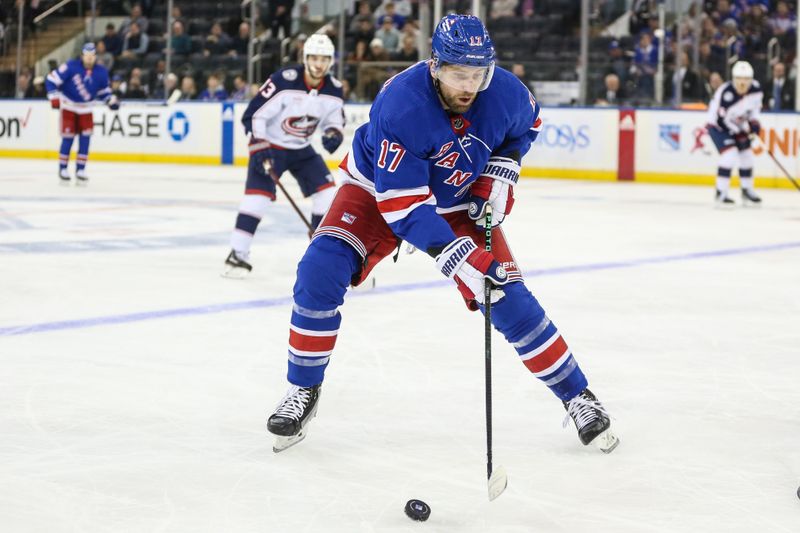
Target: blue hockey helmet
[(88, 48), (463, 40)]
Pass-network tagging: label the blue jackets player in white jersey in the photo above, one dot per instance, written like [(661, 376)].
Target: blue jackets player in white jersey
[(733, 120), (288, 109), (445, 138), (73, 87)]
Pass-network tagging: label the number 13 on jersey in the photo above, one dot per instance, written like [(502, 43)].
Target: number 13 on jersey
[(396, 149)]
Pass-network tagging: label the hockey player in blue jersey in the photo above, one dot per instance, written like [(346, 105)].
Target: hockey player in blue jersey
[(445, 138), (733, 119), (73, 87), (289, 107)]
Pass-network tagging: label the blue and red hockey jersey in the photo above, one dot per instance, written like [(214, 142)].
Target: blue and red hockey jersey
[(420, 161), (78, 87)]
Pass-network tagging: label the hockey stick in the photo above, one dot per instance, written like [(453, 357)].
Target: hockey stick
[(498, 481), (775, 159), (296, 209)]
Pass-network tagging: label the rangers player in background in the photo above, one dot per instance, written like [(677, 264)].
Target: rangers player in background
[(445, 138), (280, 120), (732, 123), (73, 87)]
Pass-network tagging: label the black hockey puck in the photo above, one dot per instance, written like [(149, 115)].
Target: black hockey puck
[(418, 510), (798, 493)]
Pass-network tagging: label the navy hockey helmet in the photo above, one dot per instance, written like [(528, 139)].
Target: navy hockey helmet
[(463, 40)]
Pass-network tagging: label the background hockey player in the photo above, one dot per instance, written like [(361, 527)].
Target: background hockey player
[(732, 122), (444, 139), (289, 107), (73, 87)]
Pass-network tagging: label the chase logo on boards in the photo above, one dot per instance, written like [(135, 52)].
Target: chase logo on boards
[(178, 126), (669, 137)]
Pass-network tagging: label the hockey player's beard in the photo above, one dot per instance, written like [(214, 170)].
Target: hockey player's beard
[(458, 103)]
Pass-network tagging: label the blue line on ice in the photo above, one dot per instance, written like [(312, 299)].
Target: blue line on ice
[(403, 287)]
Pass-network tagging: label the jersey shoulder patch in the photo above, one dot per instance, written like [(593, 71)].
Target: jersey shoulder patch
[(289, 74)]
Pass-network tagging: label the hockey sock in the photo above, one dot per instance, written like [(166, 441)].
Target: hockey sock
[(321, 201), (323, 276), (723, 180), (746, 178), (83, 151), (251, 210), (520, 318), (63, 153)]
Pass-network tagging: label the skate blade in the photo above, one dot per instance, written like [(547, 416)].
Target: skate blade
[(751, 205), (283, 443), (64, 182), (498, 482), (81, 183), (232, 272), (606, 441), (724, 207)]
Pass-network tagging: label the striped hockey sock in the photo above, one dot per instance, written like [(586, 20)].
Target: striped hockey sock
[(312, 336), (83, 151), (63, 153)]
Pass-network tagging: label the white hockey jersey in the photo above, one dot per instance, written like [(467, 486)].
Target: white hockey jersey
[(731, 112), (286, 111)]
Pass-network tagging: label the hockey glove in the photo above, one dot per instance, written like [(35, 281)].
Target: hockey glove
[(468, 265), (55, 103), (755, 127), (494, 186), (742, 140), (113, 103), (331, 139)]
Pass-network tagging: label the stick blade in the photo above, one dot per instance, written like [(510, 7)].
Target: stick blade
[(497, 482)]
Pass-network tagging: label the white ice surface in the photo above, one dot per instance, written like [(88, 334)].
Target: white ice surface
[(135, 381)]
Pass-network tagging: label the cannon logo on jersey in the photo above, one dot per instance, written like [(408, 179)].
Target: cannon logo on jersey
[(300, 126)]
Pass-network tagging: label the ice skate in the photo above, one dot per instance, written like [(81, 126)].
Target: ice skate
[(81, 179), (288, 422), (723, 201), (64, 178), (750, 198), (592, 421), (236, 266)]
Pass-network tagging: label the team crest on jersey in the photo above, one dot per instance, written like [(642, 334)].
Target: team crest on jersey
[(300, 126), (727, 97), (290, 75), (348, 218)]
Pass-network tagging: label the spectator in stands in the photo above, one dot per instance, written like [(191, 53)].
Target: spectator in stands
[(135, 44), (112, 40), (388, 34), (177, 14), (136, 17), (254, 90), (411, 27), (218, 42), (240, 90), (135, 90), (783, 24), (408, 52), (157, 74), (526, 8), (214, 90), (712, 84), (712, 57), (726, 10), (779, 91), (188, 88), (730, 34), (166, 89), (242, 40), (401, 7), (24, 86), (641, 13), (365, 32), (279, 16), (518, 70), (612, 93), (378, 52), (104, 57), (346, 95), (39, 90), (181, 43), (364, 13), (645, 61), (116, 86), (136, 76), (503, 8), (296, 50), (619, 65), (687, 79), (389, 10)]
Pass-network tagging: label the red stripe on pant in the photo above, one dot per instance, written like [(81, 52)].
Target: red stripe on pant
[(547, 358), (307, 343)]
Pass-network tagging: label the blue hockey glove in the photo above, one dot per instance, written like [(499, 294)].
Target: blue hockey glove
[(331, 139), (113, 103), (495, 186), (468, 265)]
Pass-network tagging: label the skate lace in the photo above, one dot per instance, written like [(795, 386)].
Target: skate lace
[(294, 403), (583, 411)]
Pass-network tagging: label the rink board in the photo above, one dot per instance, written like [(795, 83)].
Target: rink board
[(577, 143)]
